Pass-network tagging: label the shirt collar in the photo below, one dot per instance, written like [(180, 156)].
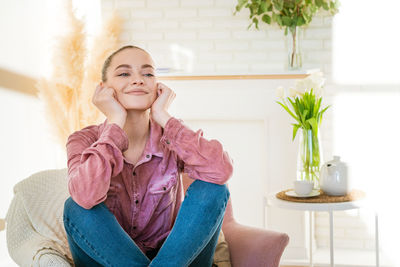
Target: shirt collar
[(153, 145)]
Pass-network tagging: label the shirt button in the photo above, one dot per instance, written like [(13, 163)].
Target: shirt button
[(137, 201), (164, 188), (134, 173), (134, 227), (147, 156)]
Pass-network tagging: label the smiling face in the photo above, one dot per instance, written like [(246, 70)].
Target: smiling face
[(132, 74)]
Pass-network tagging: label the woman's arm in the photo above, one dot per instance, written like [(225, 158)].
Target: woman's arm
[(92, 163), (202, 159)]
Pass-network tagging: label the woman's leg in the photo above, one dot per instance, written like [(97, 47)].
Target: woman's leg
[(95, 236), (206, 256), (196, 227), (79, 256)]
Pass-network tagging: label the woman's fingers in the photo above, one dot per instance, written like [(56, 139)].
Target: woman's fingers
[(166, 95)]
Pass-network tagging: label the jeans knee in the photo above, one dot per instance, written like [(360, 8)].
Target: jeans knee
[(222, 191), (72, 209), (69, 206), (213, 193)]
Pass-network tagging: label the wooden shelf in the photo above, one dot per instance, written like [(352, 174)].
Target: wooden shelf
[(18, 82), (233, 77)]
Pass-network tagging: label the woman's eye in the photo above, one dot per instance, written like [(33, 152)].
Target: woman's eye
[(149, 74), (123, 74)]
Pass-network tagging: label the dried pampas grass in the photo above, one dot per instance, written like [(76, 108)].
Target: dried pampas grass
[(103, 45), (67, 95)]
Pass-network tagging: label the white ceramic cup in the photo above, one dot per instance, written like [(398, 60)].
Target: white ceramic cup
[(303, 188)]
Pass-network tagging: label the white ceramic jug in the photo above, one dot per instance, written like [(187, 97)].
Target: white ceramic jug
[(333, 177)]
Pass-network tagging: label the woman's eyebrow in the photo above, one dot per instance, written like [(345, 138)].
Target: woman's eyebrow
[(129, 66), (147, 66), (123, 66)]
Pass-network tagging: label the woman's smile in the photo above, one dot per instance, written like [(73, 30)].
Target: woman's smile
[(137, 92)]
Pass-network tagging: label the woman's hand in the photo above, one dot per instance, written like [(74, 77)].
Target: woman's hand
[(159, 108), (105, 99)]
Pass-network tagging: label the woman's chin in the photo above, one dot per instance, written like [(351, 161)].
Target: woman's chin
[(137, 107)]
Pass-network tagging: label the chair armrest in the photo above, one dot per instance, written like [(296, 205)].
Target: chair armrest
[(25, 245), (250, 246)]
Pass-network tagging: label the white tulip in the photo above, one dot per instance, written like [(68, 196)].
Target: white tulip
[(280, 92), (318, 92), (301, 86), (292, 92), (317, 78), (314, 81)]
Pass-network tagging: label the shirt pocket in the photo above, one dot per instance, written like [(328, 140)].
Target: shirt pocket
[(163, 193)]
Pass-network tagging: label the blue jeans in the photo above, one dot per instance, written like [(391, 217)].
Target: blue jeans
[(96, 238)]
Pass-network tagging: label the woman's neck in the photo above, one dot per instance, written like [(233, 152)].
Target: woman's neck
[(137, 127)]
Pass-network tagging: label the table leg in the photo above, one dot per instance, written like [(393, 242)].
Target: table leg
[(376, 239), (311, 237), (331, 237)]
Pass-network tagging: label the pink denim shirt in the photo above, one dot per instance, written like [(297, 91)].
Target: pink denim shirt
[(145, 198)]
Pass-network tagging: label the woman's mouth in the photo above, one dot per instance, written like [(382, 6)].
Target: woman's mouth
[(137, 92)]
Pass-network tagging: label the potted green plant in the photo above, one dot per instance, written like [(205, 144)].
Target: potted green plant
[(288, 14)]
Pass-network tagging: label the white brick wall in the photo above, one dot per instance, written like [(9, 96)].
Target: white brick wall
[(220, 42), (213, 25)]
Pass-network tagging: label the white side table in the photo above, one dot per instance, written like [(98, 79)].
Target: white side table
[(273, 201)]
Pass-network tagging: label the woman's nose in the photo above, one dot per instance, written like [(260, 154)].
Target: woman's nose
[(136, 79)]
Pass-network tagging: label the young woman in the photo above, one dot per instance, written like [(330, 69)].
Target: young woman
[(126, 206)]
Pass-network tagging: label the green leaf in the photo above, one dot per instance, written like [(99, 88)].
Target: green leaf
[(278, 4), (287, 21), (325, 6), (288, 5), (288, 110), (255, 21), (314, 125), (279, 20), (319, 117), (295, 129), (253, 9), (300, 21), (299, 105), (266, 19), (262, 8), (240, 4), (304, 115), (319, 3), (295, 108), (318, 105)]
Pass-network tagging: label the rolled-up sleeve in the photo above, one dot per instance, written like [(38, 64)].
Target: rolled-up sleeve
[(202, 159), (93, 158)]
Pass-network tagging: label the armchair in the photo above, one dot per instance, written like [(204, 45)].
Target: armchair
[(36, 236)]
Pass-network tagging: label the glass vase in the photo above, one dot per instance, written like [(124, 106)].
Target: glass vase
[(309, 158), (295, 57)]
